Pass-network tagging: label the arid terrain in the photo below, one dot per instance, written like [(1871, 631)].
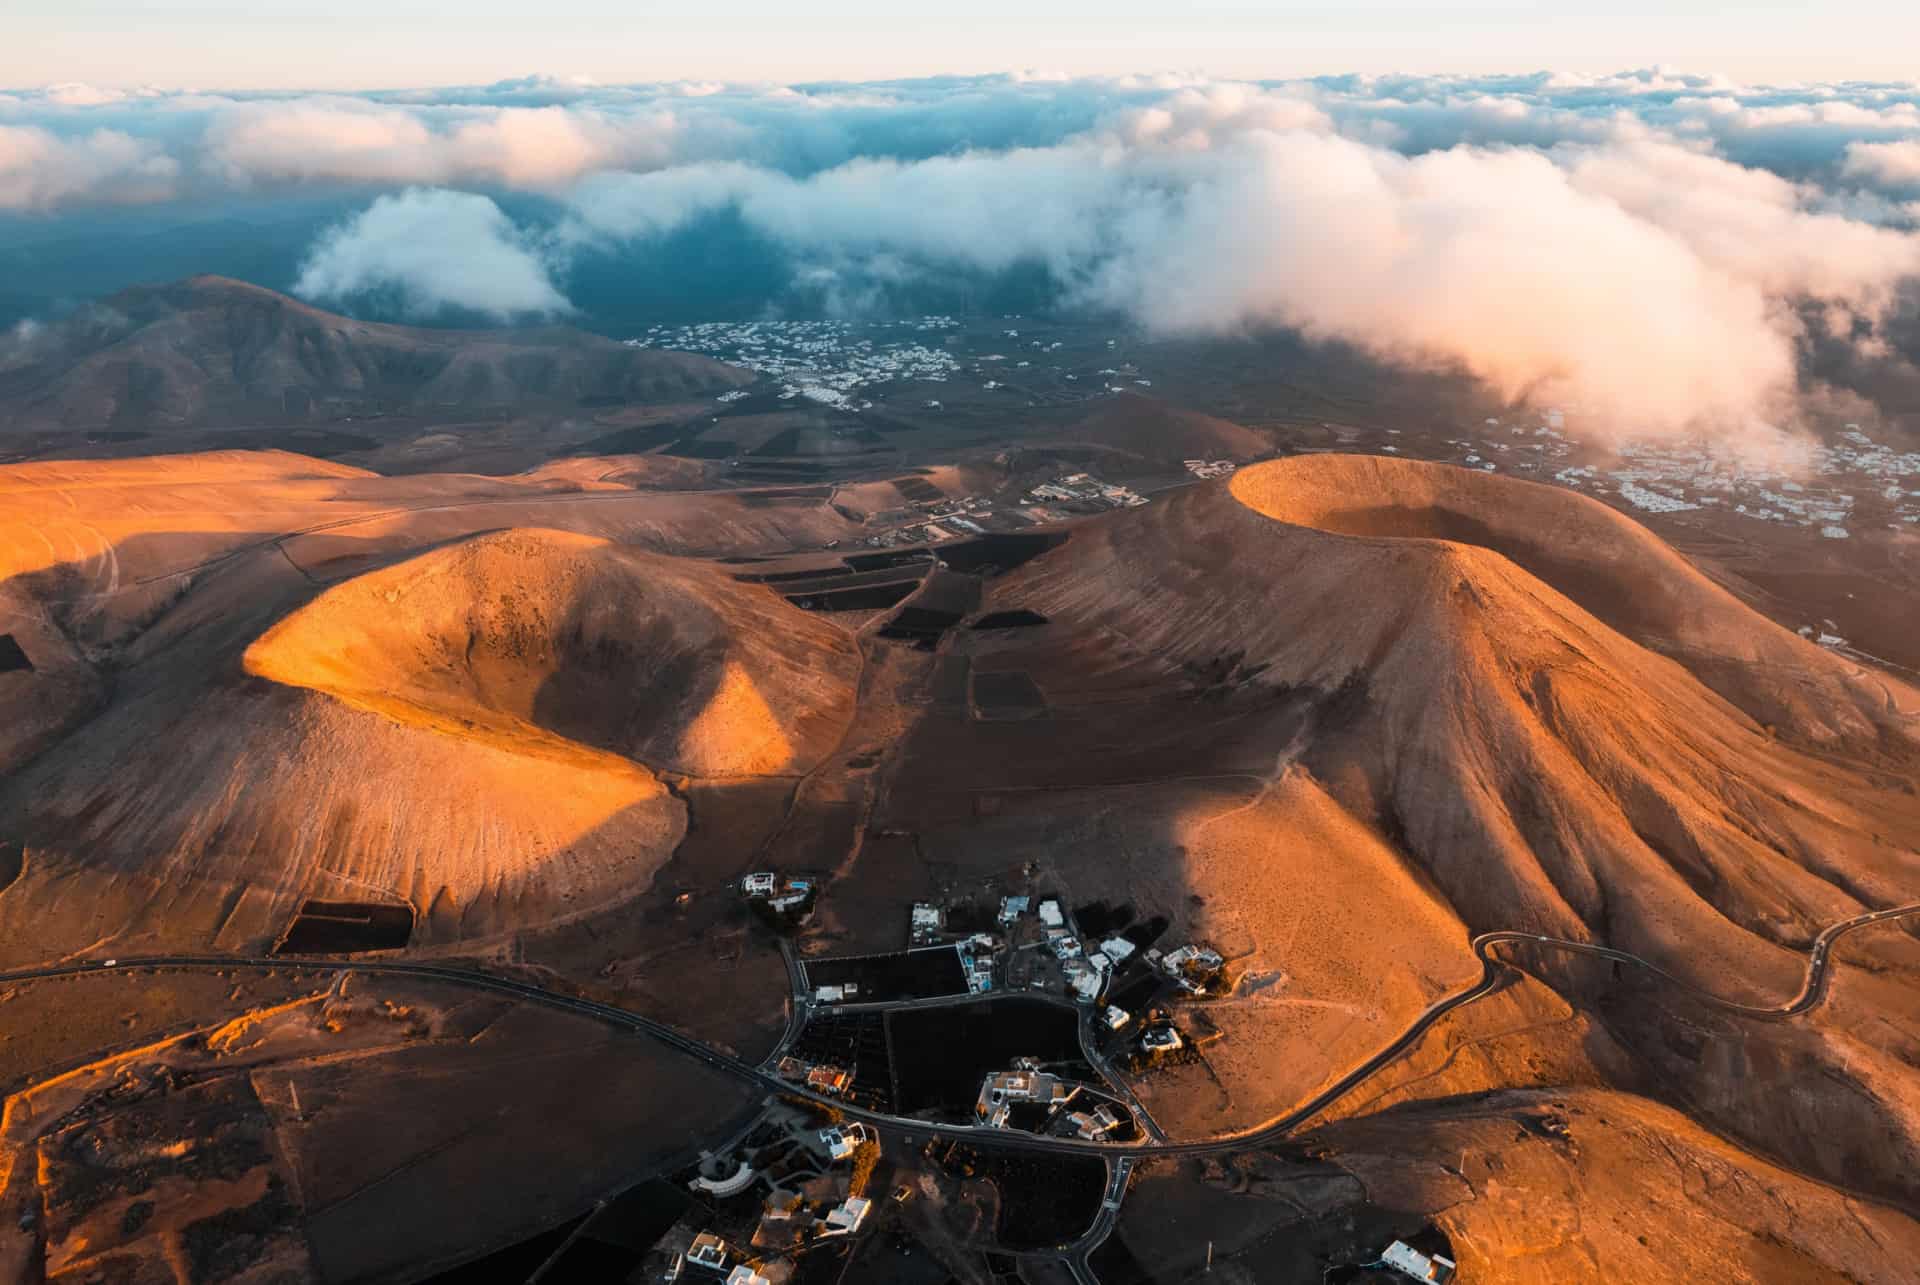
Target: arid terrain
[(375, 829)]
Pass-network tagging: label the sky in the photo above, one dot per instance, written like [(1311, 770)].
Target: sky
[(1656, 214), (362, 44)]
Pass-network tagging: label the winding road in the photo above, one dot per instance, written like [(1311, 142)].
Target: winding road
[(1120, 1156)]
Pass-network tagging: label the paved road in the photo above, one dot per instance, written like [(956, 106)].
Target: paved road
[(1813, 990)]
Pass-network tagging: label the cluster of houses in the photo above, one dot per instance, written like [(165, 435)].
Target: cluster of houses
[(829, 362), (1026, 1085), (823, 1077), (1209, 468), (811, 1198), (1197, 970), (1086, 491), (782, 894)]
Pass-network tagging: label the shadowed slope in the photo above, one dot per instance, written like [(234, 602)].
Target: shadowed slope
[(211, 351)]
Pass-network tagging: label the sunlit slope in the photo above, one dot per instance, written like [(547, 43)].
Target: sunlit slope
[(1548, 770), (476, 731), (540, 640)]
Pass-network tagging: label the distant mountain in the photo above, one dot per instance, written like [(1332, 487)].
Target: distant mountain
[(213, 352)]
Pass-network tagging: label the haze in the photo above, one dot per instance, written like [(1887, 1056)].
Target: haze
[(274, 43)]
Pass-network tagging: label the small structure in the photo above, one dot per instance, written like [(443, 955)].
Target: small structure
[(927, 924), (1050, 914), (725, 1185), (1193, 968), (1160, 1039), (1011, 908), (709, 1251), (744, 1275), (1002, 1090), (1408, 1261), (1117, 1017), (760, 884), (1086, 979), (845, 1218), (841, 1141), (1118, 949), (1090, 1125), (829, 1079), (835, 994)]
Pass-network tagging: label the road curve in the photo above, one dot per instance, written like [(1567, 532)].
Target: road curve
[(1812, 991)]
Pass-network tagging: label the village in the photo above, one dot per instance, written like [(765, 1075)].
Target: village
[(1078, 1007)]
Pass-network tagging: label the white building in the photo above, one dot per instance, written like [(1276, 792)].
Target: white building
[(842, 1141), (1408, 1261), (1118, 949), (1050, 914), (847, 1216), (760, 884), (744, 1275), (708, 1251)]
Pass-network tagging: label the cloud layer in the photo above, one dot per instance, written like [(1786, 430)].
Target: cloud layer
[(1651, 245), (430, 250)]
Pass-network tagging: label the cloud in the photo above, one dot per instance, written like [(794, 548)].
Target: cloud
[(1645, 281), (349, 141), (1654, 243), (1887, 165), (40, 170), (434, 250)]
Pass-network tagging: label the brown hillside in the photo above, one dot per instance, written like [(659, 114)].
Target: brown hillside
[(1551, 771), (212, 352), (472, 731), (1162, 434), (522, 635)]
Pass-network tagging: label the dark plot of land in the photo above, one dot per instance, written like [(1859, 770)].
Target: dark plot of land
[(816, 441), (321, 443), (918, 489), (704, 448), (950, 681), (856, 1042), (949, 597), (832, 581), (1044, 1200), (999, 551), (347, 927), (928, 973), (941, 1055), (869, 598), (612, 1242), (1008, 694), (514, 1263), (891, 558), (780, 471), (12, 657), (767, 497), (1009, 620), (631, 441), (786, 577)]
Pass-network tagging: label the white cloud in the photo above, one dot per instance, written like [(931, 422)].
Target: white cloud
[(434, 250), (1892, 165), (1638, 278), (40, 170)]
